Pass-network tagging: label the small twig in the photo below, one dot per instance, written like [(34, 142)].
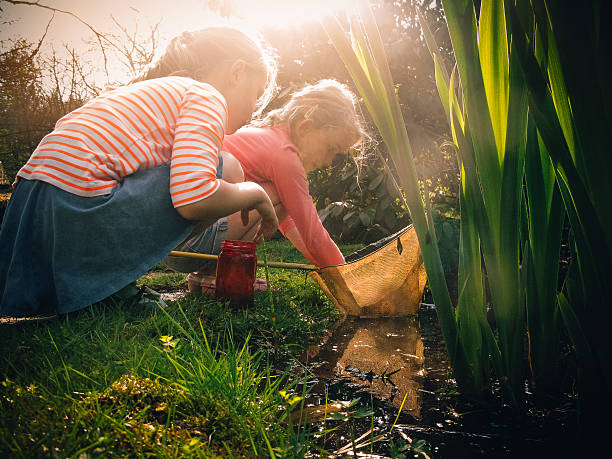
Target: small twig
[(42, 39)]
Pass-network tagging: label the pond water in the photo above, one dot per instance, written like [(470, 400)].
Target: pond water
[(390, 362)]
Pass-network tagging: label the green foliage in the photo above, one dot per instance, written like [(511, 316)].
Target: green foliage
[(516, 233), (507, 61), (360, 204), (371, 213), (490, 135), (28, 107), (565, 65)]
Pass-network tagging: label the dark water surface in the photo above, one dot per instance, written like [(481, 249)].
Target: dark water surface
[(388, 362)]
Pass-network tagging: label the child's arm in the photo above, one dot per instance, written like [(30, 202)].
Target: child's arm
[(230, 198), (290, 180), (296, 239), (196, 192)]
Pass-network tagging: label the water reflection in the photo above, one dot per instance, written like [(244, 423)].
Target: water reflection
[(384, 353)]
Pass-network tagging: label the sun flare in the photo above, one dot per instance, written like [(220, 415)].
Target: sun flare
[(286, 13)]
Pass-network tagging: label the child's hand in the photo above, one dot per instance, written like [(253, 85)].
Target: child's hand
[(269, 221), (244, 217)]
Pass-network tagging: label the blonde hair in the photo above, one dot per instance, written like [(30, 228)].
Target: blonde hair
[(195, 53), (327, 103)]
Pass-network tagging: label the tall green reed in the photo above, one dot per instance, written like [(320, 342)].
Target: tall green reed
[(489, 128), (544, 216), (559, 175), (516, 230), (565, 64), (519, 232), (365, 59)]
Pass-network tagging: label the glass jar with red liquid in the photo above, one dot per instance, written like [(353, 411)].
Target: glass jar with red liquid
[(236, 270)]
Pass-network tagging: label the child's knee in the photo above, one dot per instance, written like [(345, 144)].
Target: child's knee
[(232, 170)]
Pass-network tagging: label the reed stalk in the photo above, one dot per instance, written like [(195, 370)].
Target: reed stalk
[(489, 127), (520, 238), (365, 59), (562, 152)]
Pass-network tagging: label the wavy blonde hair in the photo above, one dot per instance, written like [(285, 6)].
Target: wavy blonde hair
[(195, 53), (328, 103)]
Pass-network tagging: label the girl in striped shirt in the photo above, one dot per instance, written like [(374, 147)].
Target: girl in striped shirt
[(124, 179)]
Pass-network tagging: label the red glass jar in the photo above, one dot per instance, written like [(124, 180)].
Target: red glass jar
[(236, 270)]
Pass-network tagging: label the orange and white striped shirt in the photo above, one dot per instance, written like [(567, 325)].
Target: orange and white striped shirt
[(132, 128)]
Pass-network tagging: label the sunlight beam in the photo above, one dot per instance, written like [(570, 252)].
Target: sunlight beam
[(285, 13)]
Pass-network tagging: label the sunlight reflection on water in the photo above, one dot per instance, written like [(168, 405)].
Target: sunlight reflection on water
[(385, 353)]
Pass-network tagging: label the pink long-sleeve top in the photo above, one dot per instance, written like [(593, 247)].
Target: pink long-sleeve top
[(267, 154)]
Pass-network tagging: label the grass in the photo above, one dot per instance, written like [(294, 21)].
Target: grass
[(198, 379)]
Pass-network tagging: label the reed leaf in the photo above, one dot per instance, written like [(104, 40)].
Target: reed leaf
[(496, 111), (461, 20), (593, 237), (441, 75), (477, 337), (585, 190), (541, 263), (507, 294), (585, 67), (474, 225), (508, 61), (367, 64), (493, 52), (471, 304)]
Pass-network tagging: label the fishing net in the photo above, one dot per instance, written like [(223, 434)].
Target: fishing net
[(385, 278)]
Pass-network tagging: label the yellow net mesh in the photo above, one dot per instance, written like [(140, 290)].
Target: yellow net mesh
[(386, 282)]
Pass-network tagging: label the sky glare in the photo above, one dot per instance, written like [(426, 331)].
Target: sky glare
[(173, 17)]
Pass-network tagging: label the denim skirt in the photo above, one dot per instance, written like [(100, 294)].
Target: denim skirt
[(60, 252)]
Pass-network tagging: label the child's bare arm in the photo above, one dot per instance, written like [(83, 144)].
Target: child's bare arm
[(296, 239), (230, 198)]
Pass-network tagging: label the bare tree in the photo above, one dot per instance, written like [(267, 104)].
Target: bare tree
[(134, 50), (100, 37), (38, 88)]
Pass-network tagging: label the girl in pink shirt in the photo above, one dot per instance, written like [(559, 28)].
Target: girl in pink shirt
[(317, 123)]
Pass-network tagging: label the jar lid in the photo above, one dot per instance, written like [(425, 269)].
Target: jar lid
[(239, 246)]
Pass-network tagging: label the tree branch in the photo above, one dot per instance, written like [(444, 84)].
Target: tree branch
[(100, 37), (42, 39)]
